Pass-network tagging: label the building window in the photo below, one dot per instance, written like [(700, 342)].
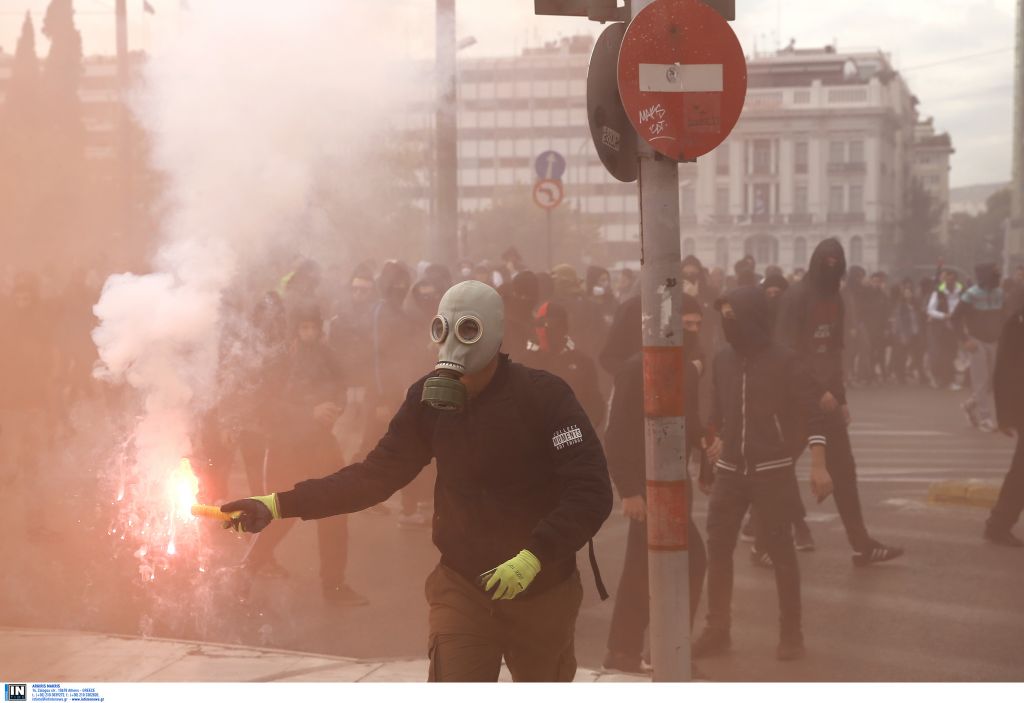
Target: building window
[(856, 199), (800, 157), (835, 199), (689, 247), (799, 252), (856, 152), (836, 152), (762, 199), (722, 160), (722, 201), (763, 247), (762, 156), (800, 200), (722, 253), (856, 251)]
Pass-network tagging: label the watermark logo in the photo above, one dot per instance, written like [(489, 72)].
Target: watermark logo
[(15, 692)]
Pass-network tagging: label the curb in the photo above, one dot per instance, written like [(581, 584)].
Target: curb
[(975, 493)]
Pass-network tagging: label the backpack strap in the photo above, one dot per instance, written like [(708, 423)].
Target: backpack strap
[(531, 410)]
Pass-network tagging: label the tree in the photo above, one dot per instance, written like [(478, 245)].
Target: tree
[(62, 154), (919, 242), (20, 139), (980, 238)]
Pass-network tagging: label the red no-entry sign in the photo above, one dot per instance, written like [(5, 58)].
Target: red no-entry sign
[(682, 77)]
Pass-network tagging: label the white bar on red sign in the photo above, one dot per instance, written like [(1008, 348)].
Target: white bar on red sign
[(681, 78)]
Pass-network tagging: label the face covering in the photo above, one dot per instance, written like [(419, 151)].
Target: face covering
[(598, 291), (691, 345), (468, 331)]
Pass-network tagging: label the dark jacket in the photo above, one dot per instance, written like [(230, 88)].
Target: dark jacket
[(764, 397), (521, 467), (1008, 381), (811, 319), (624, 439), (980, 312)]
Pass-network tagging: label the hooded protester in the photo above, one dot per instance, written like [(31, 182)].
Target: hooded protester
[(507, 586), (521, 297), (625, 336), (625, 445), (811, 323), (585, 314), (308, 395), (978, 321), (762, 393), (599, 291), (555, 352), (774, 285), (1009, 402)]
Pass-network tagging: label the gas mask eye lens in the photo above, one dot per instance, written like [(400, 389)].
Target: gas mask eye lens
[(438, 329), (469, 330)]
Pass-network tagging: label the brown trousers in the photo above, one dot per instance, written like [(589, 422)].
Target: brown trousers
[(470, 633)]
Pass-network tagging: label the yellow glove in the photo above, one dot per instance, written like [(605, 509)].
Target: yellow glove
[(513, 577), (254, 513)]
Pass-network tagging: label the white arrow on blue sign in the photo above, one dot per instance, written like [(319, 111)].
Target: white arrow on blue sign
[(550, 166)]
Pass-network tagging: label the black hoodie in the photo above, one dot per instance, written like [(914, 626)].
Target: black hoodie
[(763, 395), (811, 317)]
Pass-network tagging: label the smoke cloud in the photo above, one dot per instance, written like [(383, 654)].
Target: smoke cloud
[(247, 111)]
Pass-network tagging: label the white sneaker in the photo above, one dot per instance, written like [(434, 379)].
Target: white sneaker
[(987, 426)]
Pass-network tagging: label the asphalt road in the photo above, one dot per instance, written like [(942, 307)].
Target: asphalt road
[(950, 610)]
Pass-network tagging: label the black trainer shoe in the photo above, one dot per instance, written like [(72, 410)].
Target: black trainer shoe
[(344, 595), (876, 553), (802, 539), (1003, 538), (790, 649), (710, 643), (626, 663)]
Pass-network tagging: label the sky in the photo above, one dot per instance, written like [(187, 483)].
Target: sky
[(957, 55)]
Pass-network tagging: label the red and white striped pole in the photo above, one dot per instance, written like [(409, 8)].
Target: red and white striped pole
[(664, 413)]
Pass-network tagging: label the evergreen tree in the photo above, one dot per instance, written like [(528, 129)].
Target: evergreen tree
[(62, 155), (20, 138), (919, 242)]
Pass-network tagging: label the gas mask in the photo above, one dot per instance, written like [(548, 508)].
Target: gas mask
[(468, 331)]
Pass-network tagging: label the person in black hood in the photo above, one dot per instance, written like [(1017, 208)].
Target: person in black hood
[(521, 297), (811, 323), (555, 352), (1009, 402), (762, 394)]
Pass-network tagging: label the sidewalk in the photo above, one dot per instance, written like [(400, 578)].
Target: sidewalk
[(66, 657)]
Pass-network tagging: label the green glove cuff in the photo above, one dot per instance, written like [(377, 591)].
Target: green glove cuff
[(271, 502), (531, 560)]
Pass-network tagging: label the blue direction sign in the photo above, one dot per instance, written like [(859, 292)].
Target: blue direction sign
[(550, 166)]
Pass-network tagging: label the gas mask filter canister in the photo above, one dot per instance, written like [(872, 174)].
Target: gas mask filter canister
[(468, 331)]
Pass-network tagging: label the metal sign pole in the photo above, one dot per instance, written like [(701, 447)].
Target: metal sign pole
[(547, 219), (664, 369)]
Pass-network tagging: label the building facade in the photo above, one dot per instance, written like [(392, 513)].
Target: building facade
[(825, 148)]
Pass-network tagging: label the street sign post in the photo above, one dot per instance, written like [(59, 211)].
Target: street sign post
[(614, 136), (682, 77), (548, 193), (550, 166)]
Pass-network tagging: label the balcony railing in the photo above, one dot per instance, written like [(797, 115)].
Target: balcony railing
[(801, 218), (846, 217), (847, 167), (722, 219)]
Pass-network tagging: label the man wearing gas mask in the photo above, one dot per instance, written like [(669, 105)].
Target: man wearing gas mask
[(522, 485)]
